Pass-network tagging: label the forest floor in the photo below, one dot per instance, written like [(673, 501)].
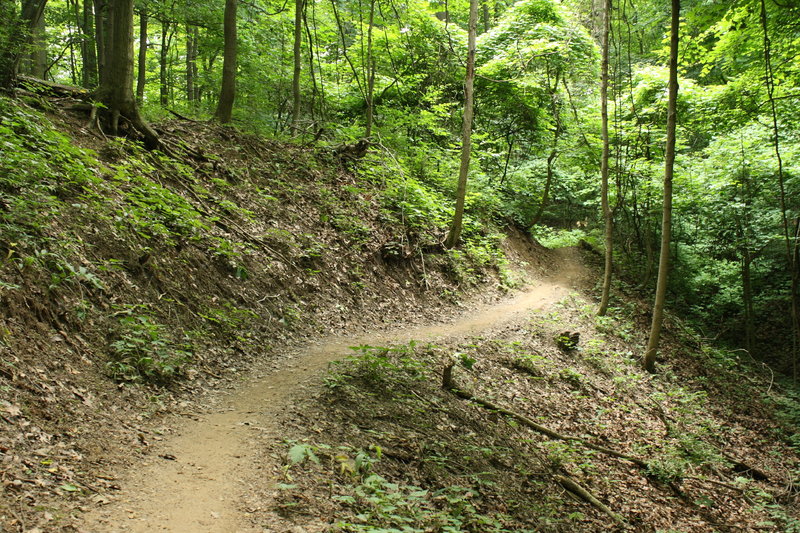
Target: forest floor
[(198, 478), (254, 338)]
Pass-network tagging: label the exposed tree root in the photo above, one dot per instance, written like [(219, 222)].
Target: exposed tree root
[(575, 488), (449, 384)]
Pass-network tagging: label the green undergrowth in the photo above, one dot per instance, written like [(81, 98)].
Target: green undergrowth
[(184, 239), (396, 452)]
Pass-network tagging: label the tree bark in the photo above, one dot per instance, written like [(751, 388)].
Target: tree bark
[(370, 71), (37, 58), (607, 214), (666, 217), (466, 133), (101, 39), (88, 47), (163, 93), (298, 43), (141, 77), (191, 64), (227, 94), (116, 92), (14, 32)]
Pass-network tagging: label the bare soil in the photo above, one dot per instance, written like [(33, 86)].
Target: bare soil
[(195, 479)]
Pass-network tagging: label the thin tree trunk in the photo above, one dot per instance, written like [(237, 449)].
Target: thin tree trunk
[(547, 186), (141, 77), (163, 95), (227, 93), (311, 73), (370, 70), (101, 39), (555, 109), (790, 256), (191, 64), (458, 218), (298, 43), (486, 17), (90, 57), (666, 218), (747, 297), (607, 214)]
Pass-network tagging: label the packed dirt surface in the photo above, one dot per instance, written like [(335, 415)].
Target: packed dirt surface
[(196, 478)]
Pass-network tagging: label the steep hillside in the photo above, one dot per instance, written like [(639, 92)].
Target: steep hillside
[(132, 281), (544, 423), (167, 323)]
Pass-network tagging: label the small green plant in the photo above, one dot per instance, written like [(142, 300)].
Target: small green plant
[(572, 376), (143, 351)]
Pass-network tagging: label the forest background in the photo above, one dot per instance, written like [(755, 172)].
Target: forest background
[(328, 73)]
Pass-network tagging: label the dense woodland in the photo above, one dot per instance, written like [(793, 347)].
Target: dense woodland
[(195, 192), (552, 81)]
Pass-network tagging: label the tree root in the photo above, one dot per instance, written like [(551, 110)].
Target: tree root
[(449, 384), (576, 489)]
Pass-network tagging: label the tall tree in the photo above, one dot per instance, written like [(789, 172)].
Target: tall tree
[(369, 70), (14, 31), (607, 214), (141, 77), (116, 90), (666, 216), (88, 49), (466, 130), (227, 93), (789, 239), (298, 42)]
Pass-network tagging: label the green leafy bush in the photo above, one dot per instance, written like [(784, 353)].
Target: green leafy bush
[(144, 352)]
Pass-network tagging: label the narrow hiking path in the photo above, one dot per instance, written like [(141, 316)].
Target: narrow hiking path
[(197, 478)]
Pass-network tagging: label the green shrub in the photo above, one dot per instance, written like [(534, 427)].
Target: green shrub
[(143, 352)]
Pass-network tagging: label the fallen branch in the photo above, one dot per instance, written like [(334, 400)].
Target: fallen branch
[(183, 117), (573, 486), (449, 384)]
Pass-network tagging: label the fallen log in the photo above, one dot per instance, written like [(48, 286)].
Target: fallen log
[(449, 384)]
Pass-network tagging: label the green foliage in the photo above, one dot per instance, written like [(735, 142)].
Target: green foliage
[(379, 364), (145, 351), (380, 506), (39, 169)]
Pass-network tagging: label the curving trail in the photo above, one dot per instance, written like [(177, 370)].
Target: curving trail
[(200, 486)]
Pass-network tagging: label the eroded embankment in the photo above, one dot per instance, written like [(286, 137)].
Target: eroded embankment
[(195, 479)]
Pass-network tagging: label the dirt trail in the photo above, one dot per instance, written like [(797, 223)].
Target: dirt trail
[(197, 479)]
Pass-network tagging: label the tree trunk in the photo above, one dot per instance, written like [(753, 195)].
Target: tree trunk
[(163, 93), (458, 218), (547, 185), (555, 109), (141, 77), (790, 256), (37, 58), (101, 38), (298, 42), (370, 70), (14, 32), (227, 94), (117, 90), (747, 297), (486, 17), (607, 214), (666, 218), (88, 47), (191, 64)]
